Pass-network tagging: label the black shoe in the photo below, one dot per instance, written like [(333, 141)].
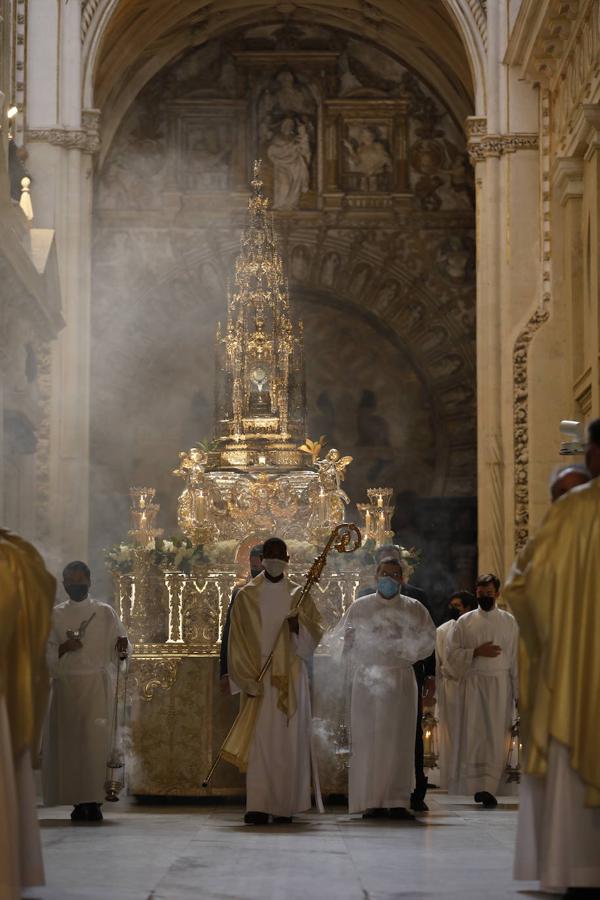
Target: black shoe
[(282, 820), (256, 818), (591, 893), (377, 813), (418, 805), (94, 812), (80, 813), (400, 813), (488, 800)]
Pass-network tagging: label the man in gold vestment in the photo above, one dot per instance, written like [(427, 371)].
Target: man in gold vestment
[(554, 593), (264, 617), (26, 597)]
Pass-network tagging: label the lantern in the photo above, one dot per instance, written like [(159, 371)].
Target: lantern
[(513, 761), (430, 749)]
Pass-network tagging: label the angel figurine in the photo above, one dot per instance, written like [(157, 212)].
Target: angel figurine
[(327, 498), (191, 465), (331, 471)]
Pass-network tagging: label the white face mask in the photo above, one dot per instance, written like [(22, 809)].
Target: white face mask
[(274, 567)]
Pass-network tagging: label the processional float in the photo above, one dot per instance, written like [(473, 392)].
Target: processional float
[(259, 475)]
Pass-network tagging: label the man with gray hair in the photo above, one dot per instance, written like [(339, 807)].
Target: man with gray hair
[(566, 478)]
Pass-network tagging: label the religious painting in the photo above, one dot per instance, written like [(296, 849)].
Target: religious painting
[(209, 145), (370, 156), (367, 158)]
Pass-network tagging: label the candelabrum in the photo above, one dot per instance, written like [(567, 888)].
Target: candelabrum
[(142, 515), (378, 515)]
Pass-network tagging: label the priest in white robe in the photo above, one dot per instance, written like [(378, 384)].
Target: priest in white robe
[(554, 591), (449, 682), (27, 593), (385, 634), (86, 640), (489, 638), (264, 618)]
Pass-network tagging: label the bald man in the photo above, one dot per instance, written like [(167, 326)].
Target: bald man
[(565, 479)]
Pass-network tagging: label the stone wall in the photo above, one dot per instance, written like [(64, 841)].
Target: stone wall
[(373, 198)]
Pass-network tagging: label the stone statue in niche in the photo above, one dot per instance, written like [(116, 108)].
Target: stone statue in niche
[(286, 131), (387, 296), (289, 152), (454, 260), (360, 276), (300, 263), (329, 269), (367, 159), (446, 366), (434, 337)]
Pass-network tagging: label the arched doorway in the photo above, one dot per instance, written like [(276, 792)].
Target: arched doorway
[(377, 229)]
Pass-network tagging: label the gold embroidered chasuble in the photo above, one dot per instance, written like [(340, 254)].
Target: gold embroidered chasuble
[(554, 592), (245, 662), (27, 592)]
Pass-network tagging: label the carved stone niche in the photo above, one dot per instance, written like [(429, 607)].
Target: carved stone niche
[(286, 90), (366, 161), (208, 145)]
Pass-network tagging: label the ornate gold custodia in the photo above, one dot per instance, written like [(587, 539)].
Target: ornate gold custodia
[(261, 395)]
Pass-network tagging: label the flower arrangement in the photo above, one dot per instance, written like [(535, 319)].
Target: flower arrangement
[(177, 555)]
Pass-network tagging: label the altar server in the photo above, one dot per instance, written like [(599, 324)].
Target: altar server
[(554, 591), (27, 593), (278, 779), (86, 640), (385, 634), (489, 691), (448, 681)]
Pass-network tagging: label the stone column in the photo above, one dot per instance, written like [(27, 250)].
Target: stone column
[(61, 140), (590, 130)]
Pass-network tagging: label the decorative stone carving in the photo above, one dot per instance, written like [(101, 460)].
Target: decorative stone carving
[(520, 422), (88, 11), (86, 139), (483, 146)]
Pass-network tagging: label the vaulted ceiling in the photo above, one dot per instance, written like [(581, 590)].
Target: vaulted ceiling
[(128, 41)]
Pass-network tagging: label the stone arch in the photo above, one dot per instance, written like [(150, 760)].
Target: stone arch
[(156, 40)]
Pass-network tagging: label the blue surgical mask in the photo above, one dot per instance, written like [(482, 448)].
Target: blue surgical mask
[(387, 586)]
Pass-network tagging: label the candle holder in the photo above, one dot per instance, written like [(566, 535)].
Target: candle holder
[(142, 516), (377, 515)]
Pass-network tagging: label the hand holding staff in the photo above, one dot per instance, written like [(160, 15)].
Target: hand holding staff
[(344, 538)]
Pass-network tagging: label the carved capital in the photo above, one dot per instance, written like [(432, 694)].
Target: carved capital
[(482, 146), (86, 139)]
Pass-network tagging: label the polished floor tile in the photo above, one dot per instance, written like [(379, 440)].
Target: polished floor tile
[(181, 852)]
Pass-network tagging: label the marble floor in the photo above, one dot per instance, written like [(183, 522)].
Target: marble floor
[(181, 852)]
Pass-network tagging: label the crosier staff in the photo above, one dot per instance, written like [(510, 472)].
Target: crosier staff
[(344, 538)]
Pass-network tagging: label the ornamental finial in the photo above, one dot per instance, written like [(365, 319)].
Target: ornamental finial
[(257, 180)]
